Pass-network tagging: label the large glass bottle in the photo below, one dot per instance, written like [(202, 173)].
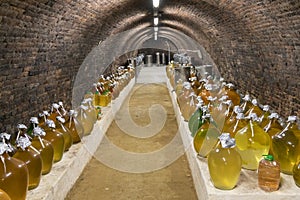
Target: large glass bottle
[(296, 173), (54, 112), (4, 195), (264, 117), (74, 126), (240, 123), (61, 128), (286, 146), (189, 107), (90, 111), (56, 139), (44, 147), (13, 172), (231, 120), (224, 164), (268, 174), (206, 137), (252, 142), (179, 87), (84, 120), (184, 96), (30, 156)]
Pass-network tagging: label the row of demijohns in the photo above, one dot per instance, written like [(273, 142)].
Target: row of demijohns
[(234, 133), (31, 153)]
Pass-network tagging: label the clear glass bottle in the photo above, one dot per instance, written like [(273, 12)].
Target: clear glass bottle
[(30, 156), (74, 126), (286, 146), (184, 96), (189, 107), (224, 163), (268, 174), (56, 139), (12, 171), (90, 111), (252, 142), (179, 87), (84, 120), (61, 128)]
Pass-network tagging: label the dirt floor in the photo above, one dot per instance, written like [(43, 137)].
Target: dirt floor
[(103, 182)]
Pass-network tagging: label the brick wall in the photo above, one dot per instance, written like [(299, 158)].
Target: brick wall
[(255, 44)]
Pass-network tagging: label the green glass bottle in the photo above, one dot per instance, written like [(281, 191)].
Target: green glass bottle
[(196, 121), (224, 163)]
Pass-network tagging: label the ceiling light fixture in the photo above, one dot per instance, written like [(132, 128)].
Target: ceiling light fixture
[(155, 3), (155, 28), (155, 21)]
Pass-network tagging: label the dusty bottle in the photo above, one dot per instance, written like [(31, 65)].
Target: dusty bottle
[(56, 139), (30, 156), (268, 174), (12, 171), (252, 142), (4, 195), (196, 121), (61, 128), (74, 126), (286, 146), (206, 137), (224, 163), (84, 120), (296, 173)]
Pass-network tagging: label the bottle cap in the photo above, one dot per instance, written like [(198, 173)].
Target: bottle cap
[(240, 116), (223, 98), (50, 123), (4, 148), (292, 118), (34, 120), (208, 87), (21, 126), (253, 117), (237, 109), (254, 102), (210, 98), (246, 97), (226, 140), (55, 105), (268, 157), (46, 113), (4, 136), (23, 142), (266, 108), (38, 131), (273, 115), (61, 119), (229, 85)]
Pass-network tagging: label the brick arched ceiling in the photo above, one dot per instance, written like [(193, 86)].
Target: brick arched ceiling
[(255, 45)]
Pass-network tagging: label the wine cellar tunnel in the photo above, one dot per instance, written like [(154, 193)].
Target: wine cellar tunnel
[(54, 51), (255, 45)]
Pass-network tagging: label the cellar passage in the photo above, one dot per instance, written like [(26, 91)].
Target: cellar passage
[(254, 44)]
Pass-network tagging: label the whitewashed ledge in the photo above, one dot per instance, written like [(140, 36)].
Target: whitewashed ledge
[(247, 187), (56, 184)]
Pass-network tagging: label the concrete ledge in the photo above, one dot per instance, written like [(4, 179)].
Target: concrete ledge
[(56, 184), (247, 187)]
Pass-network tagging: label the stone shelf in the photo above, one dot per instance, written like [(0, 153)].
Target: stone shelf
[(247, 187), (64, 174)]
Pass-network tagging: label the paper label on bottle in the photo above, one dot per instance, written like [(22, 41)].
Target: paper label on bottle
[(23, 142)]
